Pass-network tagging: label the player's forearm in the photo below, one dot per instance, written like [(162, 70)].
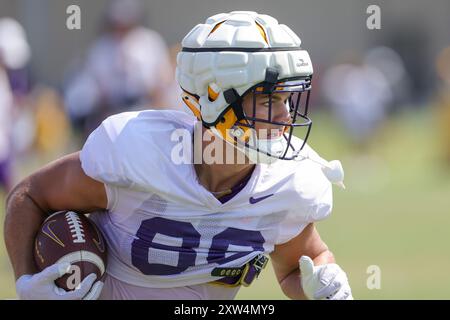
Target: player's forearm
[(291, 284), (22, 221)]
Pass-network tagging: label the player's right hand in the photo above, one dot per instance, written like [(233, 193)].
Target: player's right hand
[(41, 286)]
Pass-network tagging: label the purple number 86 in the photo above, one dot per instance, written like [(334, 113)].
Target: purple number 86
[(190, 241)]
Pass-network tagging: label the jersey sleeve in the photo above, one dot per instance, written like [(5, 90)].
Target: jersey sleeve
[(140, 151), (102, 155), (130, 150), (313, 201), (321, 208)]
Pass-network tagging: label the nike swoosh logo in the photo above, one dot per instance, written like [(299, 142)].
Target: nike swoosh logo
[(49, 233), (256, 200), (100, 245)]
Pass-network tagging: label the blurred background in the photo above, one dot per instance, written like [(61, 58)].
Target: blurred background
[(380, 104)]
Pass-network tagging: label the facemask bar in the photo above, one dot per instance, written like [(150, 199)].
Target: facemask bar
[(299, 90)]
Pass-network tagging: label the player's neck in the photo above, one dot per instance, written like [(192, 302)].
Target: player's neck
[(220, 177), (217, 176)]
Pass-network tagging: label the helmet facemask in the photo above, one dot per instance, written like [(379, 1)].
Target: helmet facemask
[(256, 133)]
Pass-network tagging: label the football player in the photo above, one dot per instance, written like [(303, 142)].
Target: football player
[(198, 229)]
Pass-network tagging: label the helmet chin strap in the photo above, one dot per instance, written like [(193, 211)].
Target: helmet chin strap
[(333, 170)]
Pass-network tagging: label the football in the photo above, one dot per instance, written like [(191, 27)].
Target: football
[(67, 236)]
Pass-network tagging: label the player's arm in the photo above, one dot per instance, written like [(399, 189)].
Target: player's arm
[(305, 268), (285, 259), (61, 185)]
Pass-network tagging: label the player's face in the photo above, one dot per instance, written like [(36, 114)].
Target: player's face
[(270, 108)]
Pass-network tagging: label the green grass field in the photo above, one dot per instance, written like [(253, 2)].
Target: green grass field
[(395, 213)]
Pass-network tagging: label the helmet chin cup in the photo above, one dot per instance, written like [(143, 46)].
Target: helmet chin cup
[(259, 157), (332, 170), (265, 151)]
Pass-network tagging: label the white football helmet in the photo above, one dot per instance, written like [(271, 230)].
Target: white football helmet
[(242, 52)]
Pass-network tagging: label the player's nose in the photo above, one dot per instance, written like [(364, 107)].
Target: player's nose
[(281, 114)]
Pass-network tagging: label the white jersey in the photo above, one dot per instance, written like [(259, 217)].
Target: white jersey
[(164, 229)]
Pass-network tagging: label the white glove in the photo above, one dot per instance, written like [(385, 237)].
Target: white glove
[(327, 281), (41, 286)]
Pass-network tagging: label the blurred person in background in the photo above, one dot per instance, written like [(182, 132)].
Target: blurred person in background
[(391, 65), (127, 68), (172, 92), (359, 94), (6, 102), (51, 122), (412, 42), (443, 103), (15, 136)]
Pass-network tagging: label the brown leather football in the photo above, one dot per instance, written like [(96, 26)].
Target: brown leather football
[(67, 236)]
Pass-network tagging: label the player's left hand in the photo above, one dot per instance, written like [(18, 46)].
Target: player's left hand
[(326, 281)]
